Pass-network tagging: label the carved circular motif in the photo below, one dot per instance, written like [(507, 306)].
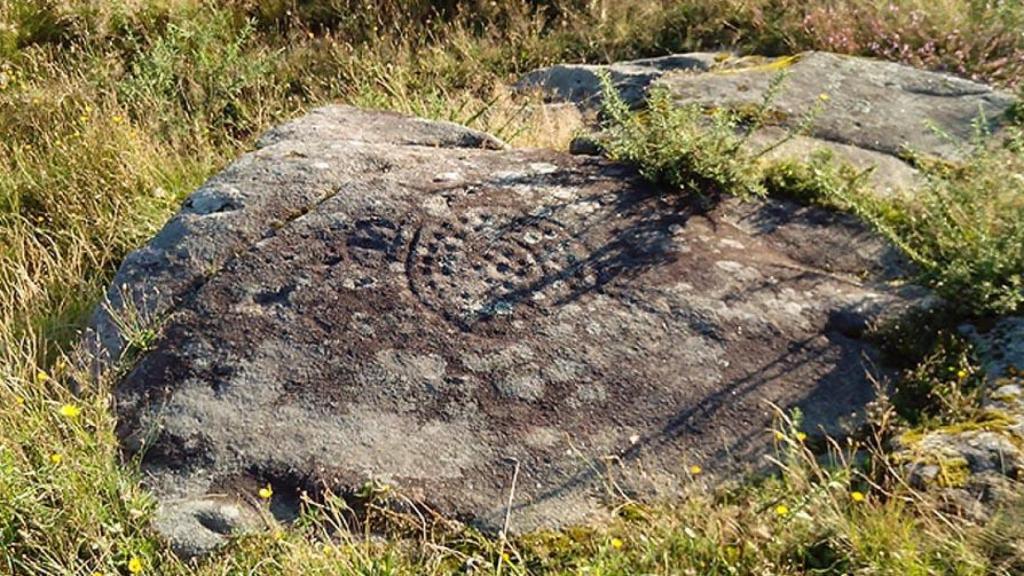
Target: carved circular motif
[(488, 264)]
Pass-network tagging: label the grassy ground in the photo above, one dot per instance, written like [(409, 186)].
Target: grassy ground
[(112, 110)]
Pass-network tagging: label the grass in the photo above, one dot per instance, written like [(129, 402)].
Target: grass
[(112, 111)]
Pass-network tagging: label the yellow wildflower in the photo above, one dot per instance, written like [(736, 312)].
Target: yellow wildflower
[(824, 97), (117, 118), (696, 469), (961, 374), (801, 436), (70, 411), (266, 492), (782, 510), (135, 565), (56, 458), (779, 436), (616, 543), (42, 377), (19, 401), (857, 496)]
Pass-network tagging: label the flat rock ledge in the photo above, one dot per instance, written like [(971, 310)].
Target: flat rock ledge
[(866, 112), (368, 296)]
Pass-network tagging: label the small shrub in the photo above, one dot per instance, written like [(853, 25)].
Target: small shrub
[(964, 226), (683, 147), (943, 388), (977, 39), (207, 70)]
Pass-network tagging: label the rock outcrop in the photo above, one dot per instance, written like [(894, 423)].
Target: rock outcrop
[(369, 296), (867, 112), (978, 464)]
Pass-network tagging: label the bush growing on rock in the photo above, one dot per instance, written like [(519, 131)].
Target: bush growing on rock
[(964, 225), (680, 146)]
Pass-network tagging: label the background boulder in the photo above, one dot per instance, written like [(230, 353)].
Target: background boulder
[(866, 112)]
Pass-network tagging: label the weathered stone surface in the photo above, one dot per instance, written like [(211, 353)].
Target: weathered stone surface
[(197, 525), (973, 462), (874, 105), (889, 175), (230, 214), (1001, 351), (368, 296), (876, 111), (1000, 348), (581, 83)]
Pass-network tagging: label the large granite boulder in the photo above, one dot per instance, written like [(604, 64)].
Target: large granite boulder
[(867, 112), (369, 296)]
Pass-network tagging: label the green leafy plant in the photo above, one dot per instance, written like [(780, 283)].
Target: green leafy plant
[(943, 388), (683, 147), (964, 226), (208, 70)]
